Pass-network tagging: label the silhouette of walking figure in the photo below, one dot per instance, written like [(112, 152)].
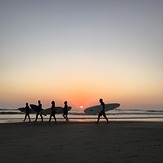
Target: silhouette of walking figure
[(27, 113), (102, 112), (38, 113), (52, 112), (65, 111)]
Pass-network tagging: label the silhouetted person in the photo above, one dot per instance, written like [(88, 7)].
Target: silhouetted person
[(38, 113), (65, 111), (52, 111), (27, 112), (102, 112)]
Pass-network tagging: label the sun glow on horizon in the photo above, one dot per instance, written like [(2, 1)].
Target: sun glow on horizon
[(81, 107)]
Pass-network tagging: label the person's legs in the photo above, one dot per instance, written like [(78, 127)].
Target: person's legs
[(50, 118), (41, 117), (29, 118), (66, 116), (36, 117), (25, 117), (98, 118), (54, 118), (106, 118)]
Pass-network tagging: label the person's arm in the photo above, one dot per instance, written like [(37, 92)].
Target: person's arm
[(103, 107)]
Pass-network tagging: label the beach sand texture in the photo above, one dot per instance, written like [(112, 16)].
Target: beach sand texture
[(117, 142)]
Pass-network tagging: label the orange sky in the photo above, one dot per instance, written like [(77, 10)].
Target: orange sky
[(81, 52)]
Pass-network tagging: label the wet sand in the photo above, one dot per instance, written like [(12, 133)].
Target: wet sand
[(117, 142)]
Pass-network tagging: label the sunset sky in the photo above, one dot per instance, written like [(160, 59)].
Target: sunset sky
[(80, 51)]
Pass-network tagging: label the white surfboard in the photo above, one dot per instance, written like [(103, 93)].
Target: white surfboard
[(93, 110)]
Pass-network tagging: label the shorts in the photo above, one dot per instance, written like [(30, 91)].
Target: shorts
[(52, 113), (65, 112), (102, 113)]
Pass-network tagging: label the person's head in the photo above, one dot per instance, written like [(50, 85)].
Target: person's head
[(65, 102), (53, 103), (39, 101), (101, 100), (26, 103)]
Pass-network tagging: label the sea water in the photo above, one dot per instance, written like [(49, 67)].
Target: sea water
[(14, 115)]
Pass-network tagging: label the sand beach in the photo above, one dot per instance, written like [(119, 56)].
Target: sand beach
[(81, 142)]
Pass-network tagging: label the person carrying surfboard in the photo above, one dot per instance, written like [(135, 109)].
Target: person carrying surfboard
[(102, 112), (65, 111), (27, 113), (38, 113), (52, 112)]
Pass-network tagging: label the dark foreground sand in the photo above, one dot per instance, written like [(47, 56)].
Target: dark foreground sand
[(81, 142)]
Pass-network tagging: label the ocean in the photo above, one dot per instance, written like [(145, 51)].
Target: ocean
[(14, 116)]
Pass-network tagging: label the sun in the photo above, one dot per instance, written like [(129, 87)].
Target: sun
[(81, 106)]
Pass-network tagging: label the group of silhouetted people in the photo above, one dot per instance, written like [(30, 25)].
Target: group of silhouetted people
[(65, 112), (52, 114)]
